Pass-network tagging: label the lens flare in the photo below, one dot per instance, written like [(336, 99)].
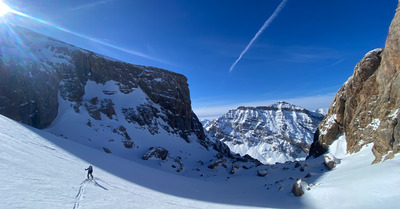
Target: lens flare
[(4, 9)]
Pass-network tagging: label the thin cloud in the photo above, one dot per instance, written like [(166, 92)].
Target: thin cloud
[(90, 5), (336, 63), (266, 24), (307, 54)]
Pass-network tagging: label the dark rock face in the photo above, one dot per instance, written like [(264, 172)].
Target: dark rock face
[(29, 87), (156, 153), (367, 106), (30, 101)]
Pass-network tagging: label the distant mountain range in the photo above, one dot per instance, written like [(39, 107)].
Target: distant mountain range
[(272, 134)]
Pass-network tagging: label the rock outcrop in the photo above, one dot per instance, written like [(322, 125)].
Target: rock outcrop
[(156, 153), (366, 107), (32, 78)]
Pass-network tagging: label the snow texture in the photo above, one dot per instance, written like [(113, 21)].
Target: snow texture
[(41, 170)]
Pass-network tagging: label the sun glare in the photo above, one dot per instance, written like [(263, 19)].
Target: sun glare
[(4, 9)]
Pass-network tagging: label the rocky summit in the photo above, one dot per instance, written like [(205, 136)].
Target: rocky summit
[(272, 134), (366, 107)]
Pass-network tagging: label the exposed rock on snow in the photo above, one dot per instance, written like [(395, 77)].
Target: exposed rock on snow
[(217, 162), (330, 161), (299, 187), (156, 153), (106, 150), (262, 172)]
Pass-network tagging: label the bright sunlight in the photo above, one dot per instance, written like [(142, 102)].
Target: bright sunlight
[(4, 9)]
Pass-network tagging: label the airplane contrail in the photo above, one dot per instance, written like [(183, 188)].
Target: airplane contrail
[(266, 24)]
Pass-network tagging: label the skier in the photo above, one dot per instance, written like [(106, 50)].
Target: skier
[(90, 171)]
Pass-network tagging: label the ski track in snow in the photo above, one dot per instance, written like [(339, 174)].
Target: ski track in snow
[(81, 191)]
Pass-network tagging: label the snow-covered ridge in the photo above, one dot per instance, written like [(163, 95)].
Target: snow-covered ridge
[(277, 133), (282, 105)]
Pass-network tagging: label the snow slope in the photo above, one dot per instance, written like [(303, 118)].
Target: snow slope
[(355, 183), (40, 170), (105, 133)]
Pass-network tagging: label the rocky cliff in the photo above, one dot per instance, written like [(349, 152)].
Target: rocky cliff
[(136, 112), (36, 69), (366, 107), (277, 133)]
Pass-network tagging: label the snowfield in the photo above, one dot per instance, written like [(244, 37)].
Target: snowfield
[(41, 170), (355, 183)]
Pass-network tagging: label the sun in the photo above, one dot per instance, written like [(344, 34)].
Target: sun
[(4, 9)]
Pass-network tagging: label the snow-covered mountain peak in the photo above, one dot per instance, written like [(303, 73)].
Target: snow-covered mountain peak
[(276, 133), (282, 105)]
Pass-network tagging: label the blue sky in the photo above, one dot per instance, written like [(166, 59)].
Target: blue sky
[(304, 56)]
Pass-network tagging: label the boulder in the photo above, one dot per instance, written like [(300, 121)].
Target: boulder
[(262, 172), (299, 187), (331, 161), (106, 150), (156, 153)]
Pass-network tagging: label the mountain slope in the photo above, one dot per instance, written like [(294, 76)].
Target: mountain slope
[(35, 69), (277, 133), (119, 108), (40, 170)]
